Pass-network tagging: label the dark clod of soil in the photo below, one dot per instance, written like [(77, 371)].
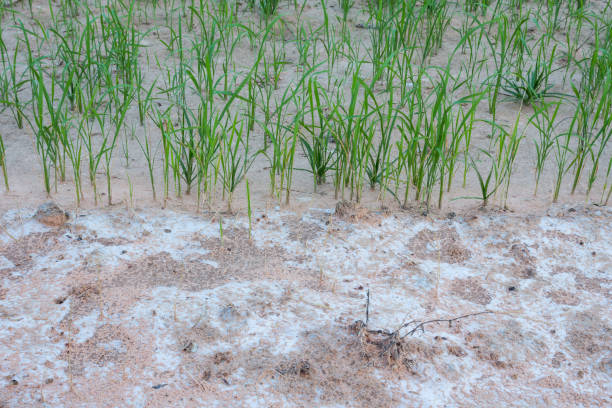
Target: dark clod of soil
[(222, 357), (299, 368), (51, 215), (352, 212)]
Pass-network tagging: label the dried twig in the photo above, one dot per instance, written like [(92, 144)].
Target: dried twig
[(389, 342), (421, 325)]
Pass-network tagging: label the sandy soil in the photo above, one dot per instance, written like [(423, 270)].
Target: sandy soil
[(154, 309)]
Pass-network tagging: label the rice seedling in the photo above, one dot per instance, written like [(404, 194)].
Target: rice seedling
[(346, 128), (123, 48), (562, 153), (603, 137), (430, 154), (461, 128), (228, 42), (3, 163), (10, 83), (268, 8), (437, 20), (183, 145), (145, 100), (73, 148), (607, 187), (130, 204), (94, 153), (249, 211), (47, 142), (125, 146), (593, 128), (235, 158), (282, 145), (304, 44), (378, 156), (345, 6), (277, 65), (206, 149), (544, 120), (385, 38), (486, 181), (109, 137), (586, 116), (508, 147), (149, 156), (330, 43), (500, 47), (316, 144), (475, 5)]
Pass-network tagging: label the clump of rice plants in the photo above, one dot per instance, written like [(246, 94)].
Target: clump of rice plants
[(268, 7), (530, 86)]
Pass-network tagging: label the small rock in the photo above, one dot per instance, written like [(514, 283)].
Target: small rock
[(158, 386), (51, 214)]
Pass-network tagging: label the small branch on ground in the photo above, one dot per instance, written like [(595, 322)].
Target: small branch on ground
[(390, 343)]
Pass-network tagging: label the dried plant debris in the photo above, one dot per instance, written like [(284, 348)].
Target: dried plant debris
[(393, 347)]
